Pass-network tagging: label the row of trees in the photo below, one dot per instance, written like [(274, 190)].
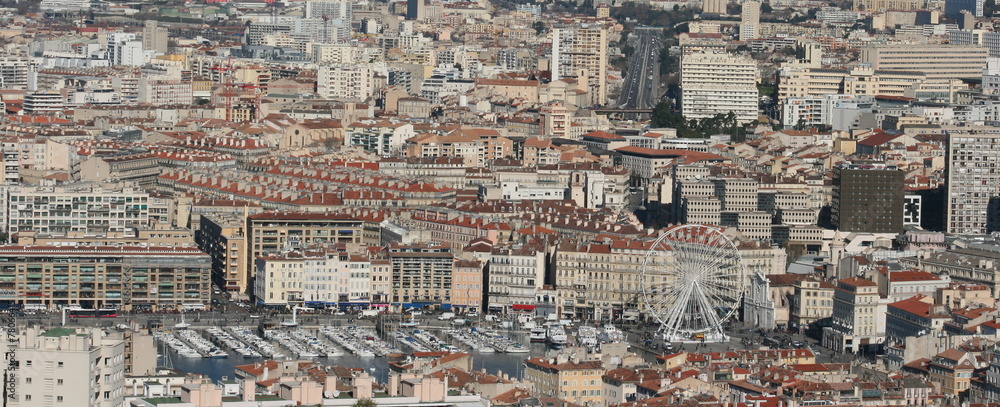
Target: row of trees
[(722, 123)]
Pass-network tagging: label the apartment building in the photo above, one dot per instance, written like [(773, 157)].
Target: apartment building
[(421, 276), (385, 138), (467, 286), (812, 300), (898, 285), (955, 370), (514, 273), (858, 316), (126, 49), (14, 72), (719, 84), (572, 380), (599, 281), (973, 170), (79, 208), (154, 37), (797, 83), (582, 49), (61, 367), (44, 102), (282, 278), (882, 5), (223, 237), (46, 277), (913, 317), (969, 265), (276, 232), (749, 20), (475, 146), (647, 162), (868, 197), (164, 92), (938, 61), (356, 83)]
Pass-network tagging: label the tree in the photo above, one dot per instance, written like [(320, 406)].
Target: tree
[(664, 116), (539, 27), (364, 403)]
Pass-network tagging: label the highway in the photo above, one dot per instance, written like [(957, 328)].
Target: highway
[(641, 88)]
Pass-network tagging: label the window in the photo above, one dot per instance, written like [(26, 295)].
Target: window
[(27, 397), (59, 398), (60, 364), (107, 395), (27, 363), (27, 380), (59, 381)]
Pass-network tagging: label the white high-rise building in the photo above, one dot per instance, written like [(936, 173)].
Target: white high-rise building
[(973, 205), (329, 9), (582, 50), (125, 49), (719, 83), (66, 367), (991, 76), (343, 82), (750, 20)]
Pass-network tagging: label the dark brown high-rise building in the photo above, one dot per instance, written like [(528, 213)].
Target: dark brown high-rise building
[(868, 197)]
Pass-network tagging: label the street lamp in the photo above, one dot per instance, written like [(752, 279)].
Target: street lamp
[(64, 313), (295, 310)]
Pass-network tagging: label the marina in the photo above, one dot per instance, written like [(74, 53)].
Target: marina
[(247, 335), (469, 339), (294, 347), (363, 342), (321, 347), (408, 342), (181, 348), (221, 337), (203, 346)]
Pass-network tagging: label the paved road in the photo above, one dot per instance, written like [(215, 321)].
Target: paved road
[(641, 88)]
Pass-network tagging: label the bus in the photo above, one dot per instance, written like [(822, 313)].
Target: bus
[(92, 313)]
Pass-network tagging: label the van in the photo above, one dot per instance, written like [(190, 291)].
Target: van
[(446, 316), (458, 322)]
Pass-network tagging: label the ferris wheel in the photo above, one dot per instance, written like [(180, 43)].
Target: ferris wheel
[(693, 279)]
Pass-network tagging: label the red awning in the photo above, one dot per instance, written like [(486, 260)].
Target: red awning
[(523, 307)]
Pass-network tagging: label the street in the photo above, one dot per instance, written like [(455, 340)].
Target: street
[(641, 88)]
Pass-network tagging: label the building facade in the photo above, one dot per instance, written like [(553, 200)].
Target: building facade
[(868, 197), (973, 184), (140, 278), (719, 84)]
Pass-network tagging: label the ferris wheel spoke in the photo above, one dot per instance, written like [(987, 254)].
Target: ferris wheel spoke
[(709, 313), (676, 311)]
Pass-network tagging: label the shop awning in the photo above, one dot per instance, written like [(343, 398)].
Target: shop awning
[(523, 307)]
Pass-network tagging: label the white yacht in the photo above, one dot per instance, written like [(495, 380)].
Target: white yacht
[(537, 334), (587, 336), (556, 336)]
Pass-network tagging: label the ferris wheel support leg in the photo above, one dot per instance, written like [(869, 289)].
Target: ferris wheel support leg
[(677, 312)]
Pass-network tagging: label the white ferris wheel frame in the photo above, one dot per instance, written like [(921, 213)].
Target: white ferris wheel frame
[(693, 279)]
